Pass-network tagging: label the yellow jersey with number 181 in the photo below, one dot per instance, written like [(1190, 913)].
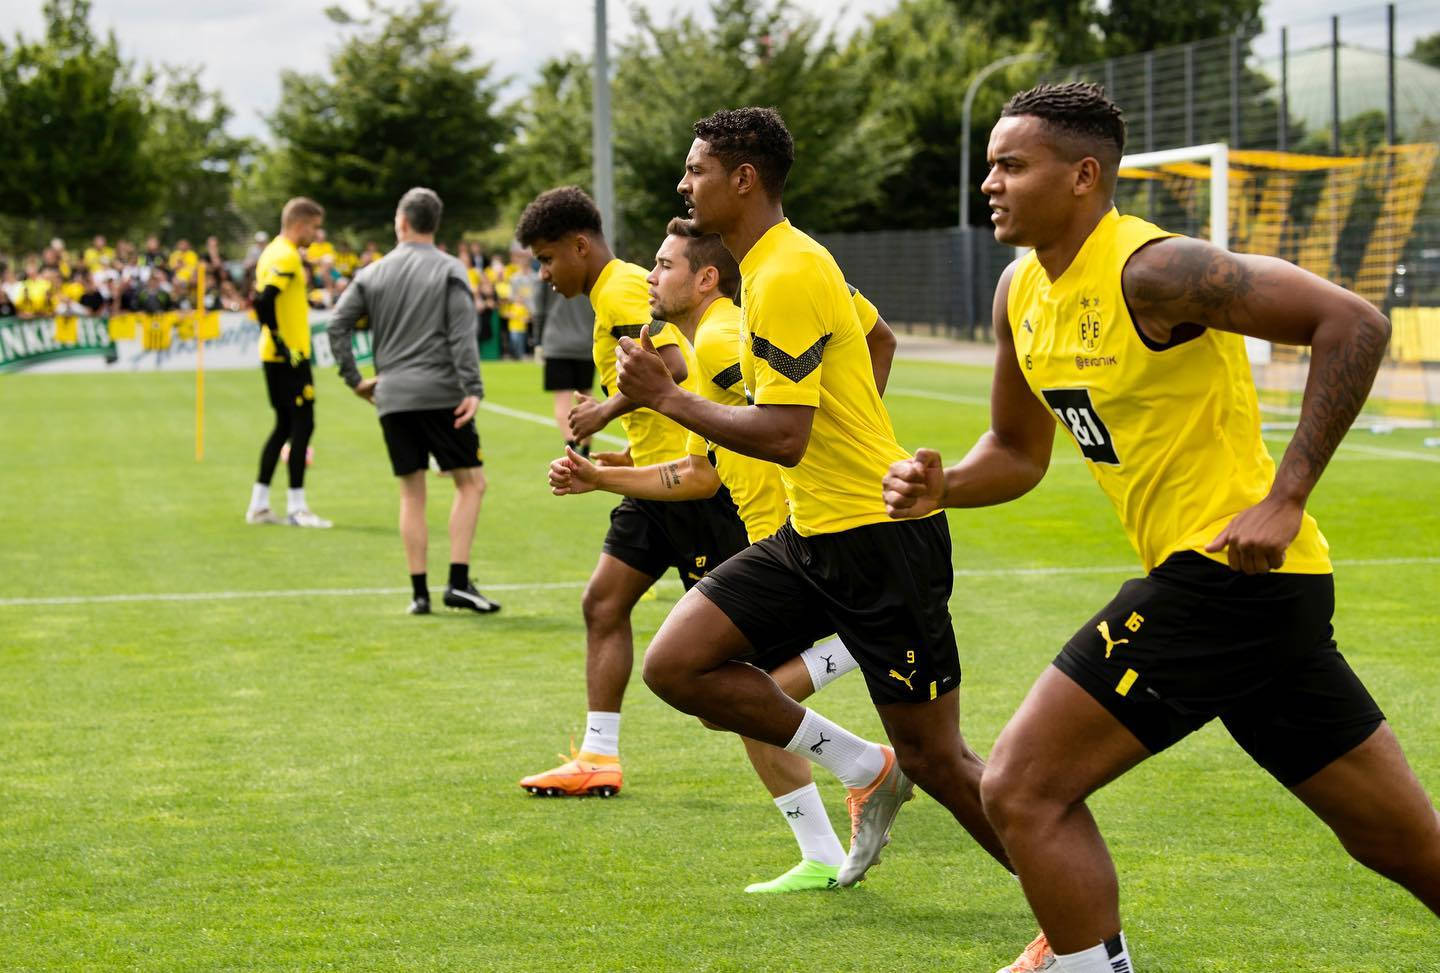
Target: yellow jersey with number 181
[(1170, 432)]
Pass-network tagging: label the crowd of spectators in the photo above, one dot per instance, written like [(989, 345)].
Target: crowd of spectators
[(103, 280)]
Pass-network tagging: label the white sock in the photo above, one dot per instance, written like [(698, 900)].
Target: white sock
[(1111, 956), (827, 662), (295, 500), (260, 496), (857, 762), (602, 734), (807, 818)]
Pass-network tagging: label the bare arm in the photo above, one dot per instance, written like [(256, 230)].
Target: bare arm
[(1008, 460), (692, 478), (777, 433), (881, 341), (590, 415), (1180, 283)]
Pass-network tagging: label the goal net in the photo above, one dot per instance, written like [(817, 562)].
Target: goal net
[(1370, 223)]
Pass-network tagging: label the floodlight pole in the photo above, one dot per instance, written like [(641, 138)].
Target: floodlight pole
[(600, 146), (980, 76)]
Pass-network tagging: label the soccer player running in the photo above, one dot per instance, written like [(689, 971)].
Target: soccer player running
[(283, 310), (693, 286), (646, 537), (426, 386), (1132, 338), (839, 564)]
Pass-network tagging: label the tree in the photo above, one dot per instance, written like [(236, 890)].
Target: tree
[(1132, 26), (1427, 50), (672, 74), (194, 160), (920, 59), (75, 123), (552, 144), (1070, 27), (405, 106)]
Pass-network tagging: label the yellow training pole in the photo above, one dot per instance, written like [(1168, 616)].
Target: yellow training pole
[(200, 363)]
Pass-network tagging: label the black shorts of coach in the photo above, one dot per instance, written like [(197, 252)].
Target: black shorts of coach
[(291, 388), (573, 374), (883, 588), (412, 438), (691, 536), (1194, 640)]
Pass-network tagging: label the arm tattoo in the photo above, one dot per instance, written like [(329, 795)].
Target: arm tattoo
[(670, 475), (1188, 281), (1335, 390)]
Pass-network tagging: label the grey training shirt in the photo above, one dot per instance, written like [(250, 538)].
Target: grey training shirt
[(422, 326), (567, 325)]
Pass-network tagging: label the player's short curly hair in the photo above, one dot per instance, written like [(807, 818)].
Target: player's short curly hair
[(707, 250), (556, 212), (1081, 114), (754, 135)]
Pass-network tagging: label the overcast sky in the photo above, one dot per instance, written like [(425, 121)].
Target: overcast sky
[(244, 44)]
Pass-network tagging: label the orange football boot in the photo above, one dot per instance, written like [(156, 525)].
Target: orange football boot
[(1037, 956), (583, 775)]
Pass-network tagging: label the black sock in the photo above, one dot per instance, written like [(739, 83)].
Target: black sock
[(459, 575), (417, 583), (585, 450), (573, 445)]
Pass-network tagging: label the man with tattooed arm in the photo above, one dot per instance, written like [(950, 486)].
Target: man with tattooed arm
[(1132, 338)]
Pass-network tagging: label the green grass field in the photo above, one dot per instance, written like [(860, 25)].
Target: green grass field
[(266, 780)]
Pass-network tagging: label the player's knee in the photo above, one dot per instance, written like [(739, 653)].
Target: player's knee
[(1007, 798), (711, 726), (601, 609), (1394, 851), (666, 674)]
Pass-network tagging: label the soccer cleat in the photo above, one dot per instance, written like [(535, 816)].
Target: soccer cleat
[(583, 775), (467, 598), (804, 877), (1037, 956), (420, 606), (872, 812), (306, 518), (261, 515)]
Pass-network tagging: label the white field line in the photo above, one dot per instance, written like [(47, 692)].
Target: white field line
[(573, 585), (544, 421), (937, 396)]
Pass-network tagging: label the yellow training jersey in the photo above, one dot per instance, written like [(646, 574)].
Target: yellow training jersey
[(280, 265), (754, 484), (621, 300), (1171, 433), (802, 344)]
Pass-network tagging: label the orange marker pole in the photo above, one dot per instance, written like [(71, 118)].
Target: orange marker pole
[(200, 363)]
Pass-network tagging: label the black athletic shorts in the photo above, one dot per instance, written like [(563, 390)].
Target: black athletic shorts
[(413, 437), (290, 387), (1194, 640), (569, 373), (691, 536), (883, 588)]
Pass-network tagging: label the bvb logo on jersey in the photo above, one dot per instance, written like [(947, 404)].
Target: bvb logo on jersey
[(1089, 323)]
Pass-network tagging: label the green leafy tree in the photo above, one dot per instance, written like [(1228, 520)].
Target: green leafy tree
[(1427, 50), (1070, 27), (195, 160), (552, 144), (404, 106), (74, 122), (671, 74), (1132, 26), (920, 58)]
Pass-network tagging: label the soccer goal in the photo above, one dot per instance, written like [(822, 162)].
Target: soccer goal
[(1349, 219)]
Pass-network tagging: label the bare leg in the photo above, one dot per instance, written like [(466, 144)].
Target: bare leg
[(613, 590), (412, 520), (781, 771), (465, 511), (1059, 748), (688, 665), (1372, 801), (927, 741)]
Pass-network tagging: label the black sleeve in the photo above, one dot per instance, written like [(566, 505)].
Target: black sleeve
[(265, 310)]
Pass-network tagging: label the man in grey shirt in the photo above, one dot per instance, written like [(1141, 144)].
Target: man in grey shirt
[(426, 386), (567, 336)]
